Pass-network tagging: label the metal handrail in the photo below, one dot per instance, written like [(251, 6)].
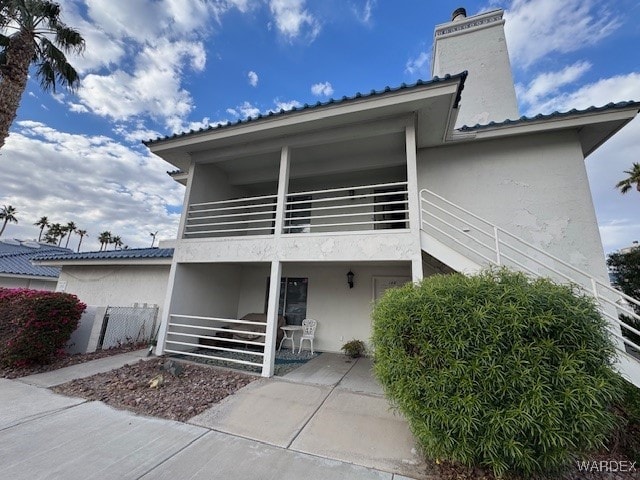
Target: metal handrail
[(593, 285)]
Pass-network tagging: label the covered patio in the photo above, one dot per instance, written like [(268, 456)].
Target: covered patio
[(233, 314)]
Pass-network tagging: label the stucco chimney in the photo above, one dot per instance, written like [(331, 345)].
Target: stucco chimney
[(477, 44), (459, 14)]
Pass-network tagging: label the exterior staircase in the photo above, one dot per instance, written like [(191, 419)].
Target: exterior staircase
[(467, 243)]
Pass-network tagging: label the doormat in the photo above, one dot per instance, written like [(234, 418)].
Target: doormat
[(285, 361)]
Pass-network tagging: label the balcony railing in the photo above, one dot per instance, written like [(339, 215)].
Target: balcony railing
[(357, 208), (228, 218), (366, 207)]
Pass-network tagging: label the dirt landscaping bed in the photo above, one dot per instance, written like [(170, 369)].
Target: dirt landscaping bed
[(66, 361), (176, 397)]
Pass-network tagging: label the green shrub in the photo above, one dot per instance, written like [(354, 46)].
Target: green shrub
[(36, 325), (628, 435), (354, 348), (497, 370)]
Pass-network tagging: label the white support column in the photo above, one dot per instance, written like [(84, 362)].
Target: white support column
[(186, 200), (272, 320), (283, 189), (414, 198), (166, 309), (276, 267)]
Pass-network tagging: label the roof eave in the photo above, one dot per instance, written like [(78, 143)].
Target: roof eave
[(594, 127), (176, 149), (104, 261), (29, 277)]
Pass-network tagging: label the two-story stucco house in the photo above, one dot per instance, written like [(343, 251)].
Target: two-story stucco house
[(390, 186)]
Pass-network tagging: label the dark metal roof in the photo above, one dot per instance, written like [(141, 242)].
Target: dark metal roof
[(128, 254), (16, 256), (373, 93), (550, 116)]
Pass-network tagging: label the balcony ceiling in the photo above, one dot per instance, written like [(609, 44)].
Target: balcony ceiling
[(430, 105)]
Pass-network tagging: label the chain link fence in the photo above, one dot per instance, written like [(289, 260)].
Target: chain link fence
[(127, 325)]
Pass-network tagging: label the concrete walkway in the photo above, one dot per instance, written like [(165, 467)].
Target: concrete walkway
[(82, 370), (331, 407), (337, 426)]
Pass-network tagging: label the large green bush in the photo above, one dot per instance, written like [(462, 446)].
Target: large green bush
[(36, 325), (497, 369)]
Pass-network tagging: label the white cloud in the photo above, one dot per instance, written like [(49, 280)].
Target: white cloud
[(365, 13), (293, 20), (91, 180), (548, 83), (253, 78), (614, 89), (58, 97), (419, 65), (286, 105), (102, 49), (136, 134), (243, 111), (248, 110), (31, 94), (322, 89), (77, 107), (535, 28), (154, 87)]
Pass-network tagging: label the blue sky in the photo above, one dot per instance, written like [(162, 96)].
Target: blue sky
[(154, 67)]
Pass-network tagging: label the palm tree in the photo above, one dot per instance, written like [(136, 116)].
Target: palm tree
[(31, 32), (81, 234), (153, 237), (7, 214), (633, 178), (117, 242), (54, 234), (71, 228), (104, 238), (42, 223)]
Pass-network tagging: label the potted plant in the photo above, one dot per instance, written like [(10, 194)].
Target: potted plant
[(354, 348)]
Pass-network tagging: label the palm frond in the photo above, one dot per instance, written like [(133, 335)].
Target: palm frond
[(624, 186), (47, 76), (53, 67), (69, 39)]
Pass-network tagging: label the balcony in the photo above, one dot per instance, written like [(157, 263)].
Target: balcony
[(381, 206)]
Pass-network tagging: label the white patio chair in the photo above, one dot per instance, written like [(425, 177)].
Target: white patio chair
[(308, 332)]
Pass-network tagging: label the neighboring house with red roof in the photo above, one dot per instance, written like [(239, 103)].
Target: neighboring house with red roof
[(17, 270)]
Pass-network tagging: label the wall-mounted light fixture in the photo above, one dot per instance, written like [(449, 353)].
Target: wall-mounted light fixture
[(350, 276)]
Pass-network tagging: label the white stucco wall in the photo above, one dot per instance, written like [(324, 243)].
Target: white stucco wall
[(117, 285), (206, 290), (342, 313), (24, 282), (534, 186)]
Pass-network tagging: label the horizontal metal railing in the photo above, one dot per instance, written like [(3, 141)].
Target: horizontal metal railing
[(344, 209), (486, 243), (355, 208), (197, 336), (239, 216)]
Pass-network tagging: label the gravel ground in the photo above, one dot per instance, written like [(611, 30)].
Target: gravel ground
[(66, 361), (180, 396)]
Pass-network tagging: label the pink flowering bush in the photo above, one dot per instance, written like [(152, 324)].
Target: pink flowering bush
[(36, 325)]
